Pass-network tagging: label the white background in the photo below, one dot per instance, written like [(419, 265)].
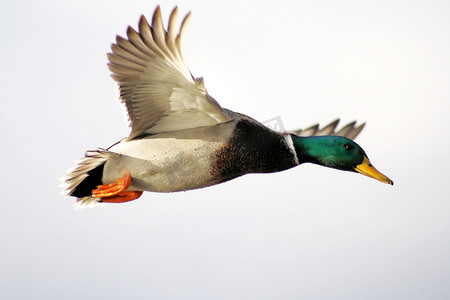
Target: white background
[(307, 233)]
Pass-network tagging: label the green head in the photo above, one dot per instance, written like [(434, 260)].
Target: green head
[(336, 152)]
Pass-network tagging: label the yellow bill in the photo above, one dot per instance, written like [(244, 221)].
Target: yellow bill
[(367, 169)]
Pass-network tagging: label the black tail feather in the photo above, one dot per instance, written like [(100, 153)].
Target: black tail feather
[(94, 179)]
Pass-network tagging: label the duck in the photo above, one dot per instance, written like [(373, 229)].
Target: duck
[(182, 139)]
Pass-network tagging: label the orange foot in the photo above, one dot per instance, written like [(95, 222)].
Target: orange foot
[(122, 197), (115, 192)]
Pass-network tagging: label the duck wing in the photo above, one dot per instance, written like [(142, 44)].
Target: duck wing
[(155, 84), (349, 131)]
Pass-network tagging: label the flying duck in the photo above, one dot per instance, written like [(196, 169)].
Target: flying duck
[(182, 139)]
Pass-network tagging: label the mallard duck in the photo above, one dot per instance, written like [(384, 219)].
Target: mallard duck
[(182, 139)]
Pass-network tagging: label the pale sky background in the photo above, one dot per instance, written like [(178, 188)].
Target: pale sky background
[(307, 233)]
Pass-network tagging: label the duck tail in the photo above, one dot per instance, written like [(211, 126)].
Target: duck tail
[(84, 177)]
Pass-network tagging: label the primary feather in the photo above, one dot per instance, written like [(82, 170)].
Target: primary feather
[(349, 131)]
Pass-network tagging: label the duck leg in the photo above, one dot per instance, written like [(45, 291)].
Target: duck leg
[(115, 192), (122, 197)]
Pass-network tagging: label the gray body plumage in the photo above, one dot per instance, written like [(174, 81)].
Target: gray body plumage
[(199, 157)]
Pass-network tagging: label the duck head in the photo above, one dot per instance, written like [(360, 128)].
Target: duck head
[(336, 152)]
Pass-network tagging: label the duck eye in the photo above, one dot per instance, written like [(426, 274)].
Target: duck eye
[(348, 147)]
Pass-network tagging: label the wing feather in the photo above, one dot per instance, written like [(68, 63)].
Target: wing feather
[(349, 131), (329, 129), (172, 33), (124, 54), (155, 83)]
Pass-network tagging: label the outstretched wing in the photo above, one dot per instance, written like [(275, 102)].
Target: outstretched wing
[(155, 84), (349, 131)]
